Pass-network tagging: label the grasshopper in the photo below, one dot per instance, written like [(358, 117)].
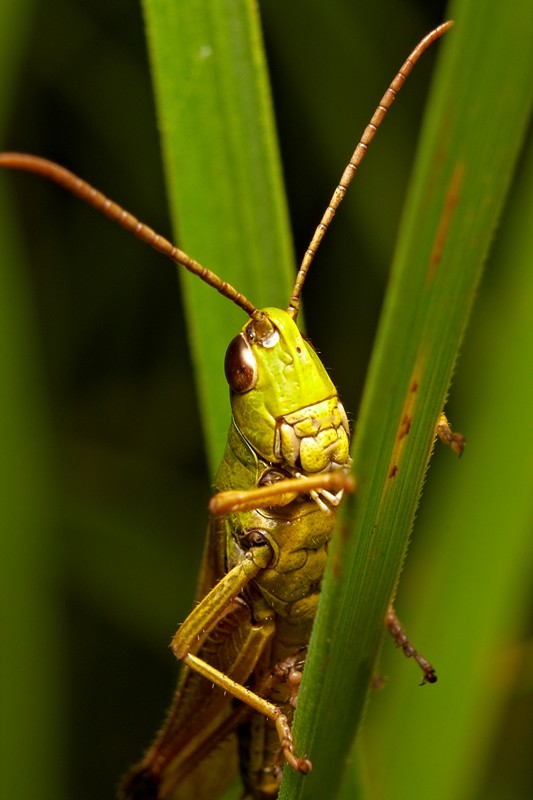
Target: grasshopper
[(282, 477)]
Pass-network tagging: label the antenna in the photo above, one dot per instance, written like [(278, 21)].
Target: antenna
[(84, 191), (359, 153)]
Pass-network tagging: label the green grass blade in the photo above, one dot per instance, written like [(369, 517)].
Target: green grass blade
[(473, 564), (223, 174), (463, 172)]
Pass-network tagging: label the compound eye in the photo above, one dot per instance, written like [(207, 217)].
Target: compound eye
[(240, 365)]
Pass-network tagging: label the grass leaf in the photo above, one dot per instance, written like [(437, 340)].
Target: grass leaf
[(224, 176)]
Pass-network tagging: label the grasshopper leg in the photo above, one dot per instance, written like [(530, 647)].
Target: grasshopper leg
[(259, 704), (280, 493), (400, 639), (448, 437), (204, 618)]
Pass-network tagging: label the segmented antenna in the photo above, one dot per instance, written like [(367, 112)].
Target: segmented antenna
[(84, 191), (359, 153)]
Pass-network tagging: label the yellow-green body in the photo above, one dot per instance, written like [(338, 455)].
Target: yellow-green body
[(289, 423)]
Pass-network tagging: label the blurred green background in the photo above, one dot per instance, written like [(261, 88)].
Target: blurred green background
[(104, 484)]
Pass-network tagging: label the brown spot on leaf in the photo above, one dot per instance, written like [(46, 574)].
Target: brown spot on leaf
[(450, 203), (405, 426)]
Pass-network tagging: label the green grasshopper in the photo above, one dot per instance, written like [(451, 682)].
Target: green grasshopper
[(282, 477)]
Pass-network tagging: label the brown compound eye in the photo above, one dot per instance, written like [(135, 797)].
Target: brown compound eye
[(240, 365)]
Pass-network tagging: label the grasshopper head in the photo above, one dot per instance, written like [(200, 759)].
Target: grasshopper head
[(283, 401)]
